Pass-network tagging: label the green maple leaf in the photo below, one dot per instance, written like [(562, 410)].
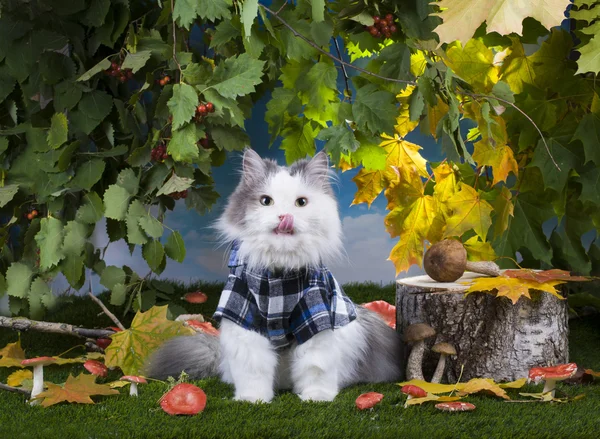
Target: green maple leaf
[(182, 104), (183, 147), (588, 132), (50, 240), (135, 233), (339, 139), (237, 76), (590, 185), (374, 109), (116, 202), (372, 156), (91, 210), (589, 61), (564, 157), (58, 130), (153, 253), (319, 86), (18, 279), (284, 102), (396, 59), (298, 139), (175, 247), (229, 138), (130, 348), (225, 32)]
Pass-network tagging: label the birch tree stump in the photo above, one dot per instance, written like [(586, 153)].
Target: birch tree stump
[(493, 338)]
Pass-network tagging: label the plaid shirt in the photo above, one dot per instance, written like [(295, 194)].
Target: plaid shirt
[(283, 306)]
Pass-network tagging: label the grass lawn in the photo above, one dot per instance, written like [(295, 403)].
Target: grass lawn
[(121, 416)]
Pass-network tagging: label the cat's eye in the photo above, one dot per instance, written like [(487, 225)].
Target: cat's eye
[(265, 200), (301, 202)]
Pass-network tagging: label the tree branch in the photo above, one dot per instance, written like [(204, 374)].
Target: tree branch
[(337, 48), (333, 57), (23, 324), (109, 314), (15, 389), (175, 40)]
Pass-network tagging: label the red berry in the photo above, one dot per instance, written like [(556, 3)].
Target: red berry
[(165, 156), (34, 213), (114, 65), (389, 17), (376, 18), (162, 82), (29, 216), (385, 29), (393, 28), (202, 109), (378, 34), (210, 107), (167, 79), (373, 31)]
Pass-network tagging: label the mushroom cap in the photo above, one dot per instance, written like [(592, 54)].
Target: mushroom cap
[(385, 310), (195, 297), (418, 332), (205, 327), (368, 400), (134, 379), (444, 348), (456, 406), (38, 361), (415, 391), (95, 367), (184, 399), (445, 261), (558, 373)]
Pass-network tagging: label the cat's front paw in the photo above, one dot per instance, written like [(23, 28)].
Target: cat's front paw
[(254, 397), (318, 395)]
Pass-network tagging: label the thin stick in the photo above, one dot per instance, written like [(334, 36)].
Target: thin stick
[(175, 41), (337, 48), (15, 389), (333, 57), (23, 324), (109, 314)]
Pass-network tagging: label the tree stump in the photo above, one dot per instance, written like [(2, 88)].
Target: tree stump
[(493, 338)]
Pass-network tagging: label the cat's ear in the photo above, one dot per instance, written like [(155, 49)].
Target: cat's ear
[(253, 167), (317, 168)]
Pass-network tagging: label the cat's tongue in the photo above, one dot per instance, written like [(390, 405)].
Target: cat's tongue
[(286, 224)]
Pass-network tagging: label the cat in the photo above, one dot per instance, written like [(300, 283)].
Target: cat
[(285, 322)]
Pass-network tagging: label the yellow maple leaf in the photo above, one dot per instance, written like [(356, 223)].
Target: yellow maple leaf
[(403, 123), (435, 114), (76, 389), (468, 211), (478, 250), (15, 379), (511, 288), (476, 385), (504, 209), (474, 63), (12, 354), (517, 384), (463, 17), (405, 157), (369, 185), (433, 387), (500, 158), (446, 184), (418, 63)]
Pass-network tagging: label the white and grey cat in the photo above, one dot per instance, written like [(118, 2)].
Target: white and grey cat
[(285, 218)]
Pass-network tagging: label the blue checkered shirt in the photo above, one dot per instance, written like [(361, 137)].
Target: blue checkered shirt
[(285, 306)]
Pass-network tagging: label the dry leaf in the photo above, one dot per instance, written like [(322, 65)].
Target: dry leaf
[(486, 384), (16, 379), (512, 288), (544, 276), (77, 390)]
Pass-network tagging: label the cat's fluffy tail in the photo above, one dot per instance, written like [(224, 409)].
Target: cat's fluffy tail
[(197, 355)]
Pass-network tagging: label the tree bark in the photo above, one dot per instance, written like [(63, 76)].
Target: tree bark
[(23, 324), (493, 338)]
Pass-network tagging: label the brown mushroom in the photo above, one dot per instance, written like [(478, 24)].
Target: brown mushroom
[(417, 333), (446, 261), (444, 349)]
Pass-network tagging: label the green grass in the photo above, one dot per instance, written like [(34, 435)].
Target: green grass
[(287, 417)]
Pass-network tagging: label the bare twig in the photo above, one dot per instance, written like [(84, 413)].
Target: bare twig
[(15, 389), (175, 40), (333, 57), (109, 314), (23, 324), (337, 48)]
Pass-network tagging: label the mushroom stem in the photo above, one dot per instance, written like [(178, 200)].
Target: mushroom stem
[(133, 391), (439, 369), (414, 370), (549, 386), (483, 267), (38, 383)]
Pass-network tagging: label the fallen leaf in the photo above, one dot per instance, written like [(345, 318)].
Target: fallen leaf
[(517, 384), (512, 288), (16, 379), (130, 348), (118, 384), (12, 354), (76, 390), (433, 387), (368, 400), (544, 276), (477, 385), (384, 309), (419, 401), (591, 372), (544, 397)]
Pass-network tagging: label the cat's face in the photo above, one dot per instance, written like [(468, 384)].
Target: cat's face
[(284, 217)]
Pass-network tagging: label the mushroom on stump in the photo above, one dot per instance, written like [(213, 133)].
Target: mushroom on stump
[(446, 261), (38, 375), (416, 334), (444, 349)]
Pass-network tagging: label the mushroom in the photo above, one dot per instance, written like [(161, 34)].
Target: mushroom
[(96, 368), (134, 380), (417, 333), (552, 374), (413, 392), (368, 400), (446, 261), (184, 399), (38, 375), (455, 406), (444, 349)]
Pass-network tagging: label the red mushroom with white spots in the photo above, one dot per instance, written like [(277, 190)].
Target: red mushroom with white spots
[(38, 374), (552, 374), (455, 406), (413, 392), (95, 367), (134, 380)]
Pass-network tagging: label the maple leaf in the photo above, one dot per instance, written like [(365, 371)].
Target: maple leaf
[(403, 123), (474, 63), (405, 157), (130, 348), (435, 114), (432, 387), (431, 397), (476, 385), (16, 379), (504, 209), (544, 276), (478, 250), (12, 354), (369, 184), (76, 389), (468, 211), (499, 157), (512, 288), (517, 384), (463, 17)]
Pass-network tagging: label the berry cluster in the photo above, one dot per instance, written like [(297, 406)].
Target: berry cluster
[(203, 109), (164, 80), (33, 213), (179, 195), (159, 153), (204, 143), (383, 27), (116, 71)]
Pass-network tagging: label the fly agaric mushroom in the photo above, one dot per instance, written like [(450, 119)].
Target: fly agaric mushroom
[(455, 406), (552, 374), (444, 349), (368, 400), (134, 380), (38, 374), (184, 399), (446, 261), (417, 333), (96, 368), (413, 392)]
